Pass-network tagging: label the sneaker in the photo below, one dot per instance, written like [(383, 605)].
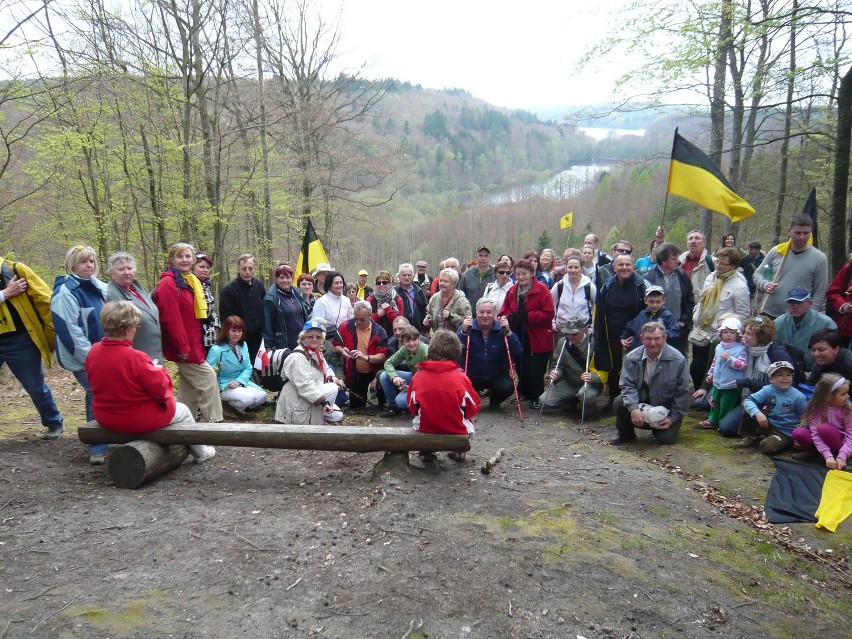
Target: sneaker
[(535, 405), (97, 459), (53, 433), (746, 442), (203, 453)]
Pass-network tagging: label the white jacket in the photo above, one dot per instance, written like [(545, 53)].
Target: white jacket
[(296, 400), (735, 298), (573, 303)]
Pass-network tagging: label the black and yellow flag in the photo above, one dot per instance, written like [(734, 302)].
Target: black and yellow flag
[(694, 176), (312, 252), (807, 492), (810, 209)]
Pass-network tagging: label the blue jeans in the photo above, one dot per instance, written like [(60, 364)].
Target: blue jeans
[(22, 356), (94, 449), (396, 398)]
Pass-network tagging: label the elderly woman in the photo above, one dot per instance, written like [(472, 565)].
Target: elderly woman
[(386, 302), (209, 326), (618, 302), (839, 302), (306, 287), (284, 312), (725, 291), (333, 308), (179, 297), (132, 394), (529, 309), (496, 290), (309, 396), (123, 287), (547, 264), (75, 307), (448, 308), (363, 347), (230, 358)]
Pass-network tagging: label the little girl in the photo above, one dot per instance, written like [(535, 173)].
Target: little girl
[(829, 423), (728, 366)]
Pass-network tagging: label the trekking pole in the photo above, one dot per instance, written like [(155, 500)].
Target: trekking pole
[(586, 384), (514, 381), (466, 348), (547, 394)]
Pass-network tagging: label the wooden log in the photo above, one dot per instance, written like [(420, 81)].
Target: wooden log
[(354, 439), (137, 462)]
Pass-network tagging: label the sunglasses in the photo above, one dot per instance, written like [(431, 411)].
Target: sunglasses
[(624, 251), (503, 272), (382, 283)]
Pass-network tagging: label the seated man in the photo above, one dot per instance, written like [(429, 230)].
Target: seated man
[(570, 382), (657, 375), (800, 322), (363, 346), (484, 357)]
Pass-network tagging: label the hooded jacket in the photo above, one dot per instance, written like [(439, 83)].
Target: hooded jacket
[(33, 307), (181, 329), (76, 311)]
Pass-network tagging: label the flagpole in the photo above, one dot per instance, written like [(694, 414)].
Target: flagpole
[(668, 180)]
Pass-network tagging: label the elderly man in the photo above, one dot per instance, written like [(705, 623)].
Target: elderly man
[(622, 247), (804, 266), (484, 355), (413, 299), (696, 262), (475, 280), (422, 280), (450, 262), (680, 298), (654, 375), (570, 382), (27, 339), (594, 240), (243, 296), (363, 347), (800, 322)]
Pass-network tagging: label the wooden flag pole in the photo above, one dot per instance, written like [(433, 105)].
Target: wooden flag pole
[(775, 277)]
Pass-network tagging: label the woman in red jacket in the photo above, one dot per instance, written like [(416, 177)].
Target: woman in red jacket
[(179, 297), (529, 308), (839, 302), (131, 393)]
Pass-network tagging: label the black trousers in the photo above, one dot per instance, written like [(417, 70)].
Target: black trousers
[(700, 364), (501, 388)]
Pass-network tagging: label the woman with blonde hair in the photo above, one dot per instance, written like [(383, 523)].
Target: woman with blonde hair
[(75, 306), (448, 307), (180, 298)]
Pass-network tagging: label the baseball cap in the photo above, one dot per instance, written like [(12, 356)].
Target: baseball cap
[(363, 272), (574, 325), (314, 324), (654, 289), (484, 248), (777, 366), (798, 295)]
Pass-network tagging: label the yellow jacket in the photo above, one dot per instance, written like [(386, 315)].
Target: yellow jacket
[(34, 307)]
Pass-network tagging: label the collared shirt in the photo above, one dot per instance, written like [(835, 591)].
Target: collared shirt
[(650, 367)]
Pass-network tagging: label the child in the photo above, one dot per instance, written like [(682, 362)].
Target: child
[(395, 383), (829, 419), (728, 366), (440, 394), (777, 409), (654, 311)]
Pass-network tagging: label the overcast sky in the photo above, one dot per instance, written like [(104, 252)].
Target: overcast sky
[(512, 54)]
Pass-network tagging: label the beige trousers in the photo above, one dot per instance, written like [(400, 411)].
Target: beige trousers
[(198, 389)]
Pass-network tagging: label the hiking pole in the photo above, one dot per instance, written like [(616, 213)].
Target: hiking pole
[(586, 384), (547, 394), (466, 346), (514, 381)]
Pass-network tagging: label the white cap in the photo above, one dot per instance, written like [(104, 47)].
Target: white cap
[(653, 415)]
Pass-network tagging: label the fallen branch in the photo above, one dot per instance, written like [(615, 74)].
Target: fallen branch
[(294, 584), (43, 592), (492, 462)]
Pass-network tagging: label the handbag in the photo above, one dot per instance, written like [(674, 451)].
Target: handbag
[(699, 337)]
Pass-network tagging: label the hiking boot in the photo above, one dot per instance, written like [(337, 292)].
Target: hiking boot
[(53, 433), (97, 459), (534, 405), (746, 442), (390, 412), (620, 441)]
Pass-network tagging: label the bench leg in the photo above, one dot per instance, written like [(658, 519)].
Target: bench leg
[(133, 464)]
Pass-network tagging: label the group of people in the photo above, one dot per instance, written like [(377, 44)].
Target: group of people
[(553, 332)]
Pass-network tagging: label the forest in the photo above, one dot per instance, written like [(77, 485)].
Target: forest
[(227, 123)]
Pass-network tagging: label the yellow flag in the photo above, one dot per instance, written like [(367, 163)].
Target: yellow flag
[(567, 220)]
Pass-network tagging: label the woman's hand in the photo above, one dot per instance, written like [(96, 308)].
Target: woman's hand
[(15, 286), (234, 384), (445, 314), (182, 356), (427, 321), (846, 308)]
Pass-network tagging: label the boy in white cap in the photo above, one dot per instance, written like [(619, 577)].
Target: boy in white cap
[(776, 409), (728, 366)]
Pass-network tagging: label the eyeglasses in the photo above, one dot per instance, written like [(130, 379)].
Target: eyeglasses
[(307, 337), (382, 283), (503, 272), (624, 251)]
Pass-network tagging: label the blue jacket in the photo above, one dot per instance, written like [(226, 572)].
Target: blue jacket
[(488, 359), (784, 409), (75, 307), (634, 326), (228, 368)]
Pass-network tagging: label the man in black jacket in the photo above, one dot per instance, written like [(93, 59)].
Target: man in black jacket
[(413, 299), (243, 296), (680, 298)]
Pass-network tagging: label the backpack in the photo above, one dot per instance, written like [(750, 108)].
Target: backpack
[(797, 356), (271, 377), (560, 286)]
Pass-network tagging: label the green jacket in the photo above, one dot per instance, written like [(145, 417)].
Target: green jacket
[(403, 356)]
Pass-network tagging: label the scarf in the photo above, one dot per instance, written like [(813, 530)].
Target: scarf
[(390, 296), (758, 363), (237, 350), (315, 357), (710, 298), (192, 283)]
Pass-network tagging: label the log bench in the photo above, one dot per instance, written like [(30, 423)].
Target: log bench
[(142, 458)]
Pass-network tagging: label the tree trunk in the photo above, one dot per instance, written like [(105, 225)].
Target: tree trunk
[(788, 120), (139, 461), (717, 104), (839, 229)]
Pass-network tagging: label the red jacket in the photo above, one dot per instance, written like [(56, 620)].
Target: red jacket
[(836, 297), (377, 345), (442, 398), (131, 395), (538, 326), (180, 328)]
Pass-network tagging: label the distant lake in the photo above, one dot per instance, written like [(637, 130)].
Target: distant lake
[(602, 134), (564, 184)]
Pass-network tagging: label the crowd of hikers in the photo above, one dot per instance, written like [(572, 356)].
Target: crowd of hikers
[(757, 341)]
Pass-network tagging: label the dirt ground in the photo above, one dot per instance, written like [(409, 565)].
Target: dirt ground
[(567, 537)]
